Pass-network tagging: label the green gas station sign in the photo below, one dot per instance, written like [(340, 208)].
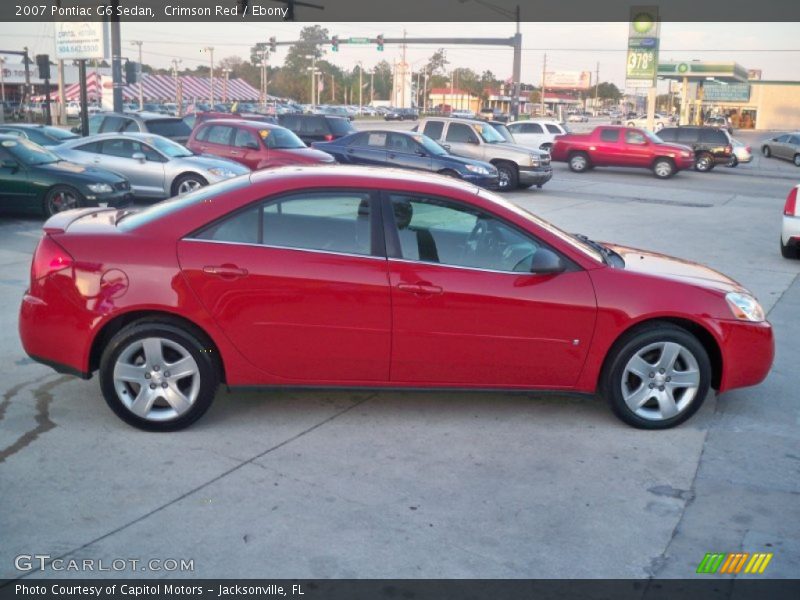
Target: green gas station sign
[(643, 37)]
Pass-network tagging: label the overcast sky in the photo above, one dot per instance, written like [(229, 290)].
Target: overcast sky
[(772, 47)]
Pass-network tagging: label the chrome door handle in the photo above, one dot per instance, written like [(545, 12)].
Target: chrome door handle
[(226, 271)]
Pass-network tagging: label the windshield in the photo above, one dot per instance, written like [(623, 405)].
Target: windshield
[(54, 133), (29, 153), (169, 148), (281, 139), (652, 137), (562, 235), (430, 146), (488, 133)]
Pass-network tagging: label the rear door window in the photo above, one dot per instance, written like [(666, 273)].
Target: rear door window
[(553, 128), (668, 135), (687, 136), (458, 132), (712, 136), (434, 129), (220, 134), (609, 135), (245, 139)]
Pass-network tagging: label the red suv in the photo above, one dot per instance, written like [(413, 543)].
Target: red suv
[(255, 145)]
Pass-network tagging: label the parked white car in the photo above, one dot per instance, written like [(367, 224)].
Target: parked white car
[(73, 110), (537, 133), (660, 121)]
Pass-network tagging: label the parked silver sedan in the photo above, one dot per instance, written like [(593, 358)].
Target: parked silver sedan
[(156, 166), (783, 146)]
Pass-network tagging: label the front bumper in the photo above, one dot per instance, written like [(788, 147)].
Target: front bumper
[(748, 350), (684, 162), (120, 199), (535, 175), (485, 181)]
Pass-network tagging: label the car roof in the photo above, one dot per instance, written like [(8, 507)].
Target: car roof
[(136, 135), (24, 125), (246, 123)]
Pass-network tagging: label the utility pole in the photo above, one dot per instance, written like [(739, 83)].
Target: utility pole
[(26, 92), (116, 56), (544, 76), (372, 86), (425, 92), (333, 90), (403, 76), (178, 99), (210, 50), (2, 78), (141, 86), (596, 86), (226, 72), (360, 87)]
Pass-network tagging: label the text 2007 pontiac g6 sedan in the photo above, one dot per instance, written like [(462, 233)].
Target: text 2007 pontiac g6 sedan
[(352, 277)]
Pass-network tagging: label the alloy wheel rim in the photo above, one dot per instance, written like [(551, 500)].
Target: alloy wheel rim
[(578, 163), (660, 381), (156, 379), (61, 201), (188, 186), (503, 178), (663, 169), (797, 160)]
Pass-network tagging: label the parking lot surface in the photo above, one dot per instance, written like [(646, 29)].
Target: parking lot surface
[(360, 484)]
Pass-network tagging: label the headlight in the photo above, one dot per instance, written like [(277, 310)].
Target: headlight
[(478, 169), (222, 172), (686, 154), (100, 188), (745, 307)]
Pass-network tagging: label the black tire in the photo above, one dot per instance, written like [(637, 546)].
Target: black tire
[(191, 342), (187, 179), (789, 251), (796, 160), (508, 178), (614, 375), (663, 168), (60, 198), (765, 150), (733, 162), (547, 147), (579, 162), (704, 162)]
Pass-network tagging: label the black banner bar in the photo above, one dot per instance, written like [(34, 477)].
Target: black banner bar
[(272, 11)]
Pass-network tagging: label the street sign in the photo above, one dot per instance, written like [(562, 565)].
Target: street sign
[(358, 40)]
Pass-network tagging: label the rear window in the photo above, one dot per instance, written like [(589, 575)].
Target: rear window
[(713, 136), (169, 127), (553, 128), (341, 127), (165, 208)]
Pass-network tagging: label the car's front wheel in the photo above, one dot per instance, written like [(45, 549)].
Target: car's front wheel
[(663, 168), (657, 377), (579, 162), (158, 376), (507, 178), (187, 183), (60, 198), (766, 151)]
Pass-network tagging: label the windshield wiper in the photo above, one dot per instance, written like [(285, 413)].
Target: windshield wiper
[(604, 252)]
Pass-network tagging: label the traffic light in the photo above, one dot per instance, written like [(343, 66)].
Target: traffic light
[(43, 64), (272, 44), (335, 43), (380, 42), (130, 72)]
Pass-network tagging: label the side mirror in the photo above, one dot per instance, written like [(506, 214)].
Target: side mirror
[(547, 262), (446, 147), (139, 156)]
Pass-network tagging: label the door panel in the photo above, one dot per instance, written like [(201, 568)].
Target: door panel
[(487, 328)]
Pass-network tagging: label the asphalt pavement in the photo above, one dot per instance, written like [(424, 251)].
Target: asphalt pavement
[(361, 484)]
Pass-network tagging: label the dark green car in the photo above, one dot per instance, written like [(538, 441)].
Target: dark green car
[(34, 179), (44, 135)]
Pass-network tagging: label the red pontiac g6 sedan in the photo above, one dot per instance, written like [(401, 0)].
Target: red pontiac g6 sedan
[(352, 277)]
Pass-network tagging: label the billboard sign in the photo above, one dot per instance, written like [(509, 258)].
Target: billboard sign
[(732, 92), (643, 38), (568, 80), (81, 41)]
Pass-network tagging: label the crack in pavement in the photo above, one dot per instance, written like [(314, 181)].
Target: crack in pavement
[(42, 418), (196, 489)]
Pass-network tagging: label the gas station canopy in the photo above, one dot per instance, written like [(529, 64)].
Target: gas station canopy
[(728, 72)]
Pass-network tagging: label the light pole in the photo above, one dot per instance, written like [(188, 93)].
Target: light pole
[(210, 50), (141, 88), (178, 95), (3, 77), (360, 87), (227, 73), (313, 58)]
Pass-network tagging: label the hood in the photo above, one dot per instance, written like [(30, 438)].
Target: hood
[(207, 161), (677, 269), (520, 148), (677, 148), (82, 172), (306, 155)]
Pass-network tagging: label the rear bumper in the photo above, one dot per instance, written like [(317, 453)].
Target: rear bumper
[(748, 350), (535, 176)]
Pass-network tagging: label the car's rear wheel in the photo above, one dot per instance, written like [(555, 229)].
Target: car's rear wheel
[(188, 183), (796, 160), (158, 376), (733, 162), (766, 151), (789, 251), (60, 198), (663, 168), (704, 162), (579, 162), (657, 377), (507, 178)]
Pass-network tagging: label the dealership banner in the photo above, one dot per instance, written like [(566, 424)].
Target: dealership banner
[(84, 40), (643, 39), (568, 80)]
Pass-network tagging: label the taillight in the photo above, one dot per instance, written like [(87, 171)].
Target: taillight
[(729, 149), (748, 149), (329, 138), (790, 208), (49, 258)]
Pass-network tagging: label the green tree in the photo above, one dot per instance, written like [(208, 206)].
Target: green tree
[(437, 64), (608, 91)]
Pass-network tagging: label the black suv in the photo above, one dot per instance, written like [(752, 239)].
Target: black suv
[(317, 128), (712, 146)]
